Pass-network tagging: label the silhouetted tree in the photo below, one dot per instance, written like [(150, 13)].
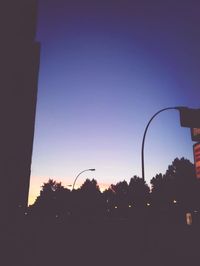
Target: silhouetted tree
[(90, 186), (54, 200), (138, 192), (108, 197), (120, 198), (177, 186), (88, 202), (162, 191)]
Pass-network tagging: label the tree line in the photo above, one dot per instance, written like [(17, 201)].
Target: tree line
[(177, 189)]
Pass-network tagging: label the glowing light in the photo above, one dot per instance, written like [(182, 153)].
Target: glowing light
[(115, 207), (148, 204), (189, 218), (129, 206), (174, 201)]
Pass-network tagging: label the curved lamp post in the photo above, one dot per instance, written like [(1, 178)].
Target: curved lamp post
[(91, 169), (145, 132)]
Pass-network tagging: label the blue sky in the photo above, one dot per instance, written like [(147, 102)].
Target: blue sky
[(106, 68)]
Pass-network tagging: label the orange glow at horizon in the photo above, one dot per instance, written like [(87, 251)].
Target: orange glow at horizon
[(35, 187)]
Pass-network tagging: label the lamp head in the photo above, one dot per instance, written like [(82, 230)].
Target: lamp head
[(179, 108)]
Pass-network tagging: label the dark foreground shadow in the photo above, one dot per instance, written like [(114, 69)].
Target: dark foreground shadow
[(117, 242)]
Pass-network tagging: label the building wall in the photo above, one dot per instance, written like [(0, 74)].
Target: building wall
[(19, 66)]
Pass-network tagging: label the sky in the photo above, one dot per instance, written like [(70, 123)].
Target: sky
[(106, 67)]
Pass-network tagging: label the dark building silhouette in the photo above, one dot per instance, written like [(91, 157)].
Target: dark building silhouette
[(19, 65)]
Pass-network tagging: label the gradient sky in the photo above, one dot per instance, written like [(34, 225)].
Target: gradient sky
[(106, 68)]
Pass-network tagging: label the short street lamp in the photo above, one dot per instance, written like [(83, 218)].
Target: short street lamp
[(91, 169)]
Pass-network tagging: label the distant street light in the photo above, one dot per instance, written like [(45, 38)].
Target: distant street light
[(179, 108), (91, 169)]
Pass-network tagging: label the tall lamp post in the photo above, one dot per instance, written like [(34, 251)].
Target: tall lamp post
[(179, 108), (91, 169)]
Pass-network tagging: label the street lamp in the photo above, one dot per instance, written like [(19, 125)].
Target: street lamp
[(91, 169), (179, 108)]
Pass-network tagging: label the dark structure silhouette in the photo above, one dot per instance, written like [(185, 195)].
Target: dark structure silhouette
[(19, 53)]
